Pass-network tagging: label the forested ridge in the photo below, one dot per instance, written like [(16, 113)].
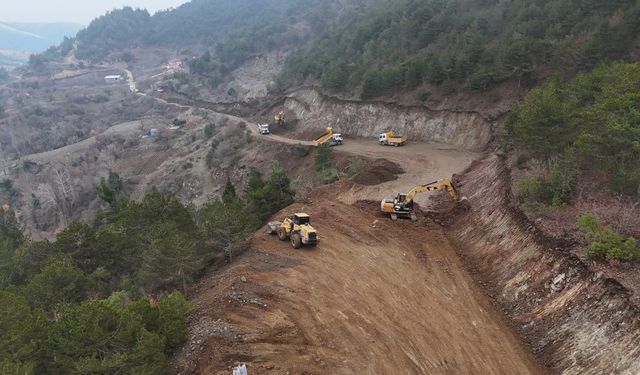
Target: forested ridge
[(469, 44), (107, 297), (591, 124), (380, 47), (233, 30)]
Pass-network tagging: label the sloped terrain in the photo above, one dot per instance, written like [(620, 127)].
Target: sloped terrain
[(374, 297), (578, 321)]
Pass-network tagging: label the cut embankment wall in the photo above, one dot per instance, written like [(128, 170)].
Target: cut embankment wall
[(464, 129), (576, 321)]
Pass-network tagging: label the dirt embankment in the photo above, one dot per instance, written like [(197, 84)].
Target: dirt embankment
[(374, 297), (464, 129), (577, 321)]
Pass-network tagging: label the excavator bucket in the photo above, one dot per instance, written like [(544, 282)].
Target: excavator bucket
[(464, 203)]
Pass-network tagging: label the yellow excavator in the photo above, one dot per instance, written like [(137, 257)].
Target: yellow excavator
[(402, 204), (279, 118), (297, 228)]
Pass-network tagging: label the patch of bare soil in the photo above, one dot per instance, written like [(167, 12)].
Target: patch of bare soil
[(374, 297), (378, 171)]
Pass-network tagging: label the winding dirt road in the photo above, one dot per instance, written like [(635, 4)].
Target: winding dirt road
[(374, 297)]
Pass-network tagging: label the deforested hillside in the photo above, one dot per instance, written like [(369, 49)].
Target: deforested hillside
[(470, 44)]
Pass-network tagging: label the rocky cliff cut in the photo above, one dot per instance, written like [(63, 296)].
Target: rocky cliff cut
[(464, 129)]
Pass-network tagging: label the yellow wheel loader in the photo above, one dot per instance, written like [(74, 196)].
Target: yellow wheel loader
[(402, 204), (296, 228)]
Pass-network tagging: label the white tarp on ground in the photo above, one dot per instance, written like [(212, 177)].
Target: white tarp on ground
[(240, 370)]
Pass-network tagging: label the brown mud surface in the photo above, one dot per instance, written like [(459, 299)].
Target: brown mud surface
[(378, 171), (374, 297), (382, 297)]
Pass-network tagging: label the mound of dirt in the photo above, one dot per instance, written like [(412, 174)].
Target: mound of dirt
[(377, 172)]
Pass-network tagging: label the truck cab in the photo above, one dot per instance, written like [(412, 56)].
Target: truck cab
[(383, 138), (336, 139), (263, 128)]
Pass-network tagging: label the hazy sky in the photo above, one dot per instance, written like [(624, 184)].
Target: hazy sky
[(79, 11)]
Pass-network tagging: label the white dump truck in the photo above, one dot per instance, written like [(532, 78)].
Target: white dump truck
[(263, 128)]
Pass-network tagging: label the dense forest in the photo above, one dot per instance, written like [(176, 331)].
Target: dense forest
[(591, 124), (233, 30), (379, 47), (465, 43), (107, 297)]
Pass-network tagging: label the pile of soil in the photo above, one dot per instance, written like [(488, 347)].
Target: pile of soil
[(377, 172)]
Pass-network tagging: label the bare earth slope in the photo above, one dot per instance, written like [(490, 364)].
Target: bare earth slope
[(576, 320), (374, 297)]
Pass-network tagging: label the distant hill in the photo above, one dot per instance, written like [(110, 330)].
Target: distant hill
[(235, 30), (34, 37)]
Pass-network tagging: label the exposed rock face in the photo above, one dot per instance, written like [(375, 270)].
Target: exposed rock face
[(468, 130), (576, 320)]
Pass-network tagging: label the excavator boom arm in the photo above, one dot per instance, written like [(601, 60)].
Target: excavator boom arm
[(444, 184)]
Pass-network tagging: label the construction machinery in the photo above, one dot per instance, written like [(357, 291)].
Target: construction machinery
[(263, 129), (402, 204), (389, 138), (279, 118), (330, 138), (296, 228)]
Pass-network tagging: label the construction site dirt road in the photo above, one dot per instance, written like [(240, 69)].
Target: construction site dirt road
[(374, 297)]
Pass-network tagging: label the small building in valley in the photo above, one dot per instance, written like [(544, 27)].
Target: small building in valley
[(112, 79)]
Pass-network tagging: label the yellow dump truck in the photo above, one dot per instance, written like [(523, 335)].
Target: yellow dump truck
[(389, 138), (330, 138)]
